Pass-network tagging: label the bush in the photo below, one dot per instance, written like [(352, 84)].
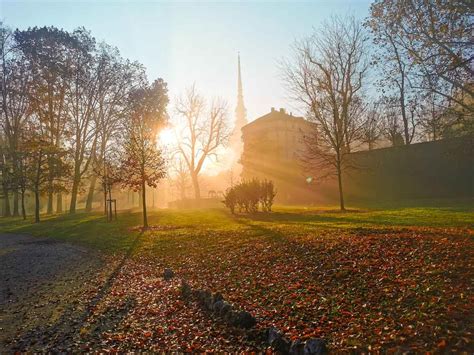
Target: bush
[(248, 196)]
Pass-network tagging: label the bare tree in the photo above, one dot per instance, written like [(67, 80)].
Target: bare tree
[(327, 76), (437, 38), (371, 129), (179, 177), (117, 78), (395, 67), (391, 127), (433, 119), (204, 131)]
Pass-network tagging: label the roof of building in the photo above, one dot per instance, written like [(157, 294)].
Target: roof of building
[(273, 115)]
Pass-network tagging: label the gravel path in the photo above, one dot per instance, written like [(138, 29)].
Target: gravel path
[(40, 280)]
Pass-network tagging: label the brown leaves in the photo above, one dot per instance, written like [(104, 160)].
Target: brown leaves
[(382, 290)]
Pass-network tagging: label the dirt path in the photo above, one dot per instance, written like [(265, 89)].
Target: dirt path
[(40, 281)]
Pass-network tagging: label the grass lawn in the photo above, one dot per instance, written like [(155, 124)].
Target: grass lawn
[(367, 279)]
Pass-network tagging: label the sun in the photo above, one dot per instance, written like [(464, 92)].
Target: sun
[(167, 137)]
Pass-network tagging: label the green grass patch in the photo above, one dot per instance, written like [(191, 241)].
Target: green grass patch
[(94, 231)]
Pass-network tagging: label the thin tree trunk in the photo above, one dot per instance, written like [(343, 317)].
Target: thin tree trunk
[(90, 195), (145, 219), (23, 210), (105, 202), (341, 194), (6, 203), (74, 190), (37, 206), (37, 186)]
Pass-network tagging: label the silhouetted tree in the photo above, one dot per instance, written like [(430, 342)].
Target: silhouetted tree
[(326, 77), (116, 78), (143, 164), (395, 67), (205, 131), (371, 129), (47, 51), (15, 108), (436, 37)]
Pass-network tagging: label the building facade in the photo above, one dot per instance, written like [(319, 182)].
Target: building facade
[(272, 145)]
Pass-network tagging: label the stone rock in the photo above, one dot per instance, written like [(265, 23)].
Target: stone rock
[(168, 274), (272, 334), (186, 290), (281, 345), (277, 341), (297, 347), (217, 306), (226, 309), (208, 301), (217, 297), (205, 297), (315, 346), (243, 319)]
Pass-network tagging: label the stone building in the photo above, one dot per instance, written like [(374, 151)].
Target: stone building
[(272, 144)]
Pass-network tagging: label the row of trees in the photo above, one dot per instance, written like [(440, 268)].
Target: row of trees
[(71, 109), (421, 54)]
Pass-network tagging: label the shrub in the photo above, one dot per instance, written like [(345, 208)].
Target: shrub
[(230, 200), (249, 195)]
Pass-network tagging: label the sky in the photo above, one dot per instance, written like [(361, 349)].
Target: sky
[(196, 42)]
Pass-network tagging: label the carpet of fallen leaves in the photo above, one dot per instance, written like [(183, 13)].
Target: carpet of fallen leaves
[(394, 289)]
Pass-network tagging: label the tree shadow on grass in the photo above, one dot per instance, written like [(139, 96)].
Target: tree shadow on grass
[(72, 327), (353, 219)]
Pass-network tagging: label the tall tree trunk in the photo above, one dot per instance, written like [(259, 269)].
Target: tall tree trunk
[(341, 193), (37, 205), (74, 191), (105, 202), (23, 210), (6, 202), (145, 219), (16, 197), (90, 195), (197, 191), (59, 202)]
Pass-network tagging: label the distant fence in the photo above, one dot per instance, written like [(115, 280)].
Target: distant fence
[(440, 169)]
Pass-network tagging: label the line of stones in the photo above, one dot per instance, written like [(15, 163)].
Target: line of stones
[(216, 304)]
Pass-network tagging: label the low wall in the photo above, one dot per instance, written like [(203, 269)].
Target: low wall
[(441, 169)]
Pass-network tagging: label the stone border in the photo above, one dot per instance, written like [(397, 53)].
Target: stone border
[(215, 303)]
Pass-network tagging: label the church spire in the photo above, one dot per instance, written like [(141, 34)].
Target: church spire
[(240, 111)]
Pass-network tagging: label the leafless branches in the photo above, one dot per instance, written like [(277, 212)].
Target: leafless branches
[(327, 76), (204, 130)]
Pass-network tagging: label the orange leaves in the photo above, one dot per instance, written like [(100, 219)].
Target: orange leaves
[(367, 290), (147, 334)]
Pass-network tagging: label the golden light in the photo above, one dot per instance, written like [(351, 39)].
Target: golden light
[(167, 137)]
